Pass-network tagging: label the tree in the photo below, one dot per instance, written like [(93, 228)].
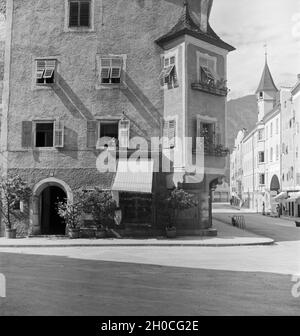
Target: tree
[(101, 206), (13, 190), (177, 201)]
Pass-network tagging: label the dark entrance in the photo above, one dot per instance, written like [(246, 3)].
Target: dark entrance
[(136, 208), (51, 223)]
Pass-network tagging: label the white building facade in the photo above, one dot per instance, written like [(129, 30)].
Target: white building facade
[(270, 159)]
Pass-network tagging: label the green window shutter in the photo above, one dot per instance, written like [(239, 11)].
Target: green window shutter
[(59, 134), (26, 134), (91, 133)]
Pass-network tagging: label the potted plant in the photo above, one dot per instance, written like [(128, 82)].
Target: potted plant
[(13, 190), (71, 212), (178, 201), (101, 205)]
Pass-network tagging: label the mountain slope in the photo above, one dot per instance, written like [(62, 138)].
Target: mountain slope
[(241, 113)]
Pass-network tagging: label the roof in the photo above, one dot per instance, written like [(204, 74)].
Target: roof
[(187, 26), (266, 82)]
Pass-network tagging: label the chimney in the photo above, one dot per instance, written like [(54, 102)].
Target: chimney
[(201, 11)]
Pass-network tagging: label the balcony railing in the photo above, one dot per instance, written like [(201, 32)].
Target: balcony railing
[(215, 150), (216, 88)]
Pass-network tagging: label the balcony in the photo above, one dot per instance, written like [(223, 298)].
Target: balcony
[(217, 88)]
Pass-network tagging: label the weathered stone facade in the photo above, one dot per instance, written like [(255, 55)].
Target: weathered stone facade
[(130, 29)]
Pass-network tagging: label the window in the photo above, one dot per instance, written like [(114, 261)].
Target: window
[(111, 70), (116, 130), (262, 179), (79, 13), (168, 75), (47, 134), (277, 152), (267, 132), (209, 131), (271, 155), (260, 135), (169, 133), (261, 157), (261, 95), (45, 71), (271, 130), (277, 126), (207, 66), (44, 134)]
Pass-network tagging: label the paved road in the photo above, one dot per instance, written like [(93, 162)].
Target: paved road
[(275, 228), (57, 285)]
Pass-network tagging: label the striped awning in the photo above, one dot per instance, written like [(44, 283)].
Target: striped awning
[(134, 176)]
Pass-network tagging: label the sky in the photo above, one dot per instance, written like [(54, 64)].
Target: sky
[(248, 25)]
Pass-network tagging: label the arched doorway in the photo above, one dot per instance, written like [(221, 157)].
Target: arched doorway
[(275, 185), (51, 222), (274, 190), (44, 219)]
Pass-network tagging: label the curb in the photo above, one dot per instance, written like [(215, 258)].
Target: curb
[(262, 243)]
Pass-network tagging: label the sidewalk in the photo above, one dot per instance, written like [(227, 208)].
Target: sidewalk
[(227, 236)]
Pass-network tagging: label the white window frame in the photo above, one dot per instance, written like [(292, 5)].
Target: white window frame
[(259, 161), (112, 121), (42, 72), (111, 68), (259, 179), (208, 58), (168, 144), (91, 28), (123, 59), (35, 122), (61, 129), (167, 56)]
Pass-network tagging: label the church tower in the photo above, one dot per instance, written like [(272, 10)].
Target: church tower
[(266, 92)]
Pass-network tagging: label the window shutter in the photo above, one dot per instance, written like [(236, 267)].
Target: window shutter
[(74, 11), (91, 133), (172, 133), (166, 134), (85, 14), (26, 134), (199, 128), (59, 134), (116, 72), (124, 133)]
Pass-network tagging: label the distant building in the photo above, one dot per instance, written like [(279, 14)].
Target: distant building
[(261, 148), (290, 176)]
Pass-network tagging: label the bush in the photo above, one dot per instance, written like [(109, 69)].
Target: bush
[(101, 206), (71, 212), (13, 191), (179, 200)]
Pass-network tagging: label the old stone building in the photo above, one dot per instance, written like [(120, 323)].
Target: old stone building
[(80, 70)]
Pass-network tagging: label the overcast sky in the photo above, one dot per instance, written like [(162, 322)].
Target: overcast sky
[(248, 25)]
